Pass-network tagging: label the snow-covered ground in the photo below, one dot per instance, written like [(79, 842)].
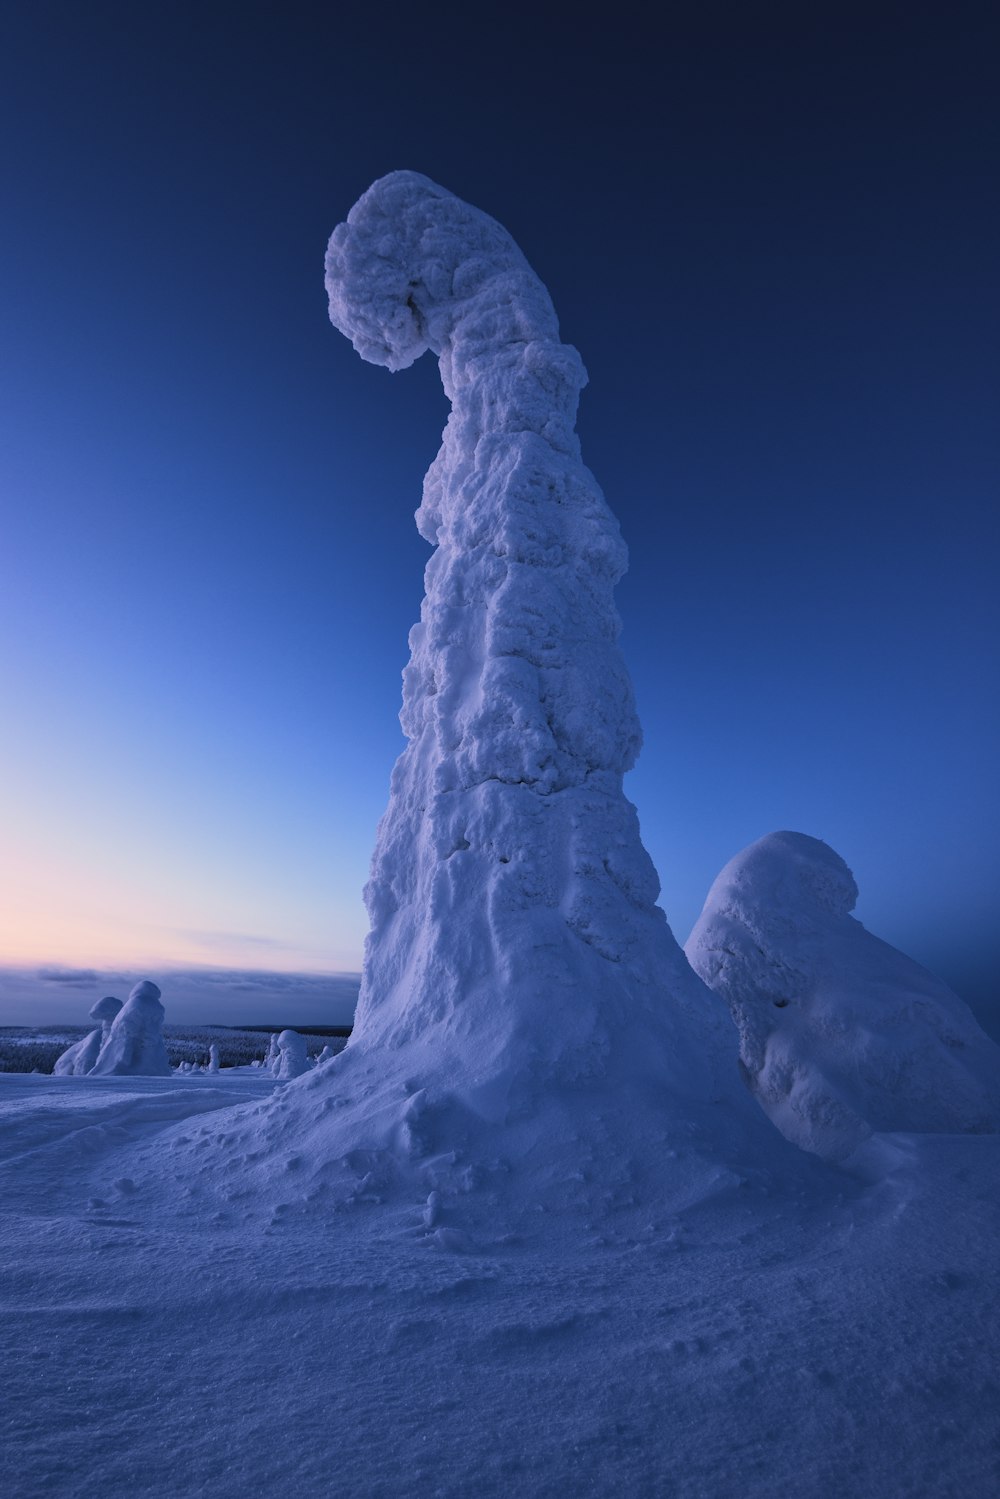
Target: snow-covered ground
[(169, 1331)]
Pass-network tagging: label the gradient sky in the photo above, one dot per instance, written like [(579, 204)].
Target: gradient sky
[(771, 231)]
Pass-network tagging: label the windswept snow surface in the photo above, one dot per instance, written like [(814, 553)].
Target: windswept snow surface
[(840, 1034), (169, 1334)]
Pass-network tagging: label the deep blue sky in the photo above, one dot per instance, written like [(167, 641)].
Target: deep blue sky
[(773, 234)]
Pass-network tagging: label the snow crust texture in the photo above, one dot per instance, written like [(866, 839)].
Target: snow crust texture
[(514, 929), (840, 1034), (166, 1332)]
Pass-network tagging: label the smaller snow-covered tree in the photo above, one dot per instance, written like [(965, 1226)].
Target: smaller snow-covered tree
[(81, 1057), (293, 1057)]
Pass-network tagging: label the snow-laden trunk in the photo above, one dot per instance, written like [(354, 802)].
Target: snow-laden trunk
[(512, 903)]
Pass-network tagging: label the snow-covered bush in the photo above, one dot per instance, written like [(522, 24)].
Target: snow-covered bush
[(840, 1034)]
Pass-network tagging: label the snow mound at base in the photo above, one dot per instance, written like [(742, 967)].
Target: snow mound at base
[(840, 1034), (473, 1161), (134, 1044)]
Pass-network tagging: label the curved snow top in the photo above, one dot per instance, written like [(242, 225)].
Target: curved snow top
[(415, 268), (145, 990), (413, 261), (106, 1008), (786, 871), (840, 1034)]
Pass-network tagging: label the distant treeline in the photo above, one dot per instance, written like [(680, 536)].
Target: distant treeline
[(303, 1030), (36, 1048)]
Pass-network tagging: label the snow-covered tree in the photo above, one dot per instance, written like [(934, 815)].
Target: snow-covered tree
[(523, 998), (293, 1056), (510, 893), (81, 1057), (134, 1044), (840, 1034)]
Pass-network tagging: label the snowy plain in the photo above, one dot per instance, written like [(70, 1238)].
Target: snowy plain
[(173, 1331)]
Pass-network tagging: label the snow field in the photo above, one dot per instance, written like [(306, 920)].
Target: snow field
[(174, 1335)]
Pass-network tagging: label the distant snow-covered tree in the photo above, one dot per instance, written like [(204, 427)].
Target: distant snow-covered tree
[(293, 1056), (135, 1045), (81, 1057)]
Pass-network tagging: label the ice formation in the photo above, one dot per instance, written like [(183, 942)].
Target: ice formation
[(213, 1057), (134, 1044), (80, 1058), (293, 1056), (840, 1034)]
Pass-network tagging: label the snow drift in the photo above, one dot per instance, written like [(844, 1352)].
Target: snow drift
[(840, 1034)]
